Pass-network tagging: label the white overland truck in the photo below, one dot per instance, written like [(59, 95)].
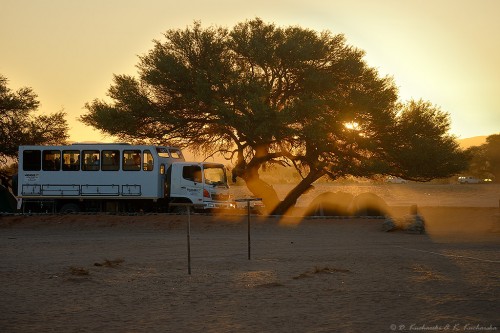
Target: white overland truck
[(116, 178)]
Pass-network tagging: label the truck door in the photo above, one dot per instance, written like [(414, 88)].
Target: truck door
[(191, 185)]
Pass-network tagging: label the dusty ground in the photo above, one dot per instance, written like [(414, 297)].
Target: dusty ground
[(108, 273)]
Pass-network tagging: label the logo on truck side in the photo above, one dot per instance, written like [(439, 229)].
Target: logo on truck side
[(31, 177)]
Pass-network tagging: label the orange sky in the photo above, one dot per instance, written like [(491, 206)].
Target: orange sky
[(444, 51)]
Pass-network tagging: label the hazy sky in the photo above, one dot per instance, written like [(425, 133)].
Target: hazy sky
[(443, 51)]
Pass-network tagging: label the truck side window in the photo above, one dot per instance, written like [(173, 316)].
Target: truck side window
[(110, 160), (51, 160), (131, 160), (71, 160), (90, 160), (192, 173), (148, 161), (32, 160)]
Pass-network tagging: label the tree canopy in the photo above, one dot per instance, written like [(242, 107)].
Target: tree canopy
[(18, 125), (485, 159), (262, 94)]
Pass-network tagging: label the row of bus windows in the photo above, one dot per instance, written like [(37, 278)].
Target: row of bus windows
[(87, 160)]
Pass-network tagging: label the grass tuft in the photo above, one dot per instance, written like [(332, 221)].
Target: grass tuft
[(78, 271), (110, 263), (328, 270)]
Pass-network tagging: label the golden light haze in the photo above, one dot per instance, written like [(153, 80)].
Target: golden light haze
[(444, 51)]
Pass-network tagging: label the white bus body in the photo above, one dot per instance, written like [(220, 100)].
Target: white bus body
[(116, 177)]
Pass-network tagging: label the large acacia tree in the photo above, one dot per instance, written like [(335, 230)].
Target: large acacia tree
[(262, 94)]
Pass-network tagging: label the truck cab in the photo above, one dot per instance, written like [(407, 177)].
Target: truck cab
[(201, 183)]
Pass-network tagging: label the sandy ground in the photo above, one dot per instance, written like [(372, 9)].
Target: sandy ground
[(110, 273), (422, 194)]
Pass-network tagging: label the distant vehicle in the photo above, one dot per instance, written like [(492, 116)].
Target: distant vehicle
[(468, 180), (396, 180)]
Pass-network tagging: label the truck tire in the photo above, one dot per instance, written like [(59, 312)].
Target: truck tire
[(181, 210), (69, 208)]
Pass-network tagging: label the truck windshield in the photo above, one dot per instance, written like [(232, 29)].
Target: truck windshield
[(214, 174)]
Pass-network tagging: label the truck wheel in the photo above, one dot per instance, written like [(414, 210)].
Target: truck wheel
[(69, 208), (180, 210)]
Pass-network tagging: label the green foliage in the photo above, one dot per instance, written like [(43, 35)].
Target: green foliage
[(493, 155), (422, 148), (263, 94), (485, 159), (18, 125)]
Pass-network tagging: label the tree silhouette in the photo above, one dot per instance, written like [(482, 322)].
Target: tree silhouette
[(485, 159), (18, 125), (261, 94)]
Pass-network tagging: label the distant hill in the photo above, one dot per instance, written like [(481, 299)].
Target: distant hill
[(474, 141)]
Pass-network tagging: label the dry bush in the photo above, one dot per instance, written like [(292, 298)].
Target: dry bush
[(110, 263), (369, 204), (78, 271), (331, 204)]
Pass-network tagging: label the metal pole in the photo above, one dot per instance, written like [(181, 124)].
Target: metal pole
[(248, 220), (189, 239)]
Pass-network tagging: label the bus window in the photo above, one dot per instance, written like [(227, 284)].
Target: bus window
[(176, 153), (32, 160), (90, 159), (148, 161), (131, 160), (51, 160), (110, 160), (162, 152), (71, 160)]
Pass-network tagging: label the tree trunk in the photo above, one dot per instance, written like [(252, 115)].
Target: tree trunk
[(249, 172), (261, 189), (291, 198)]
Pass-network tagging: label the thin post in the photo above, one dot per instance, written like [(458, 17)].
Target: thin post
[(248, 220), (248, 200), (189, 238)]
